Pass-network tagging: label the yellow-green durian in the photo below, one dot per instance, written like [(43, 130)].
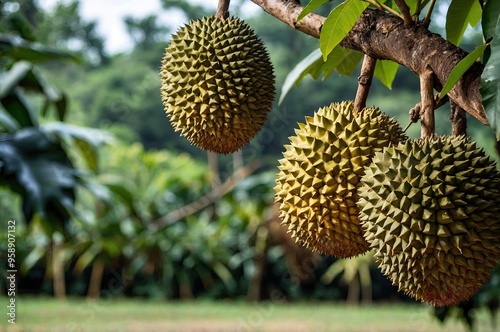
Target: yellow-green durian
[(217, 83), (320, 173), (430, 209)]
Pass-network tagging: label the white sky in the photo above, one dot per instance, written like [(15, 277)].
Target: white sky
[(109, 15)]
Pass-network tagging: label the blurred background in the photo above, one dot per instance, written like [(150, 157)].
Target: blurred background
[(110, 203)]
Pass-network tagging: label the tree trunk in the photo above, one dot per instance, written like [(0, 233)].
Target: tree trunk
[(384, 36), (58, 279), (94, 290)]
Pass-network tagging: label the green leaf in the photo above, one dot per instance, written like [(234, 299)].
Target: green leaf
[(311, 6), (338, 24), (491, 12), (12, 78), (341, 59), (37, 168), (8, 123), (18, 49), (348, 60), (385, 71), (461, 68), (460, 14), (86, 140), (19, 107), (298, 72), (490, 84)]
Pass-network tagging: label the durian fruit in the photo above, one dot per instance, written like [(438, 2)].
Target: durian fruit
[(217, 83), (430, 209), (320, 172)]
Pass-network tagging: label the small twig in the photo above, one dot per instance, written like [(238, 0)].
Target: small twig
[(418, 8), (427, 99), (416, 111), (382, 6), (222, 9), (458, 120), (204, 200), (427, 18), (364, 82), (405, 10)]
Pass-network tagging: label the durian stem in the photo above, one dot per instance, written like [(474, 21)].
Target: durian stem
[(364, 82), (222, 9), (458, 120), (427, 100)]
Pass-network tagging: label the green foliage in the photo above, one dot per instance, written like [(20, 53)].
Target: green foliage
[(15, 47), (490, 84), (311, 6), (36, 167), (338, 24), (461, 14), (461, 68), (342, 60), (385, 71)]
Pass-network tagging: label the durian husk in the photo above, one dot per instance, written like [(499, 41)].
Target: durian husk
[(217, 83), (320, 172), (430, 209)]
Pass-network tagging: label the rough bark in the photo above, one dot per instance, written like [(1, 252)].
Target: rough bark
[(384, 36), (458, 120), (364, 82)]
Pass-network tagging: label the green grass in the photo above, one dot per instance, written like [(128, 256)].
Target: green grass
[(47, 314)]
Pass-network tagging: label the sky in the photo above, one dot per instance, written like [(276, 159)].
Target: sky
[(109, 15)]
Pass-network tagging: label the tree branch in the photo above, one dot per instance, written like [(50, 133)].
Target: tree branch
[(383, 36), (458, 120), (427, 100), (222, 9), (403, 7), (204, 200), (364, 82)]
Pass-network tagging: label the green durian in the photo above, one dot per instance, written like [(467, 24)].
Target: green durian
[(217, 83), (430, 209), (320, 172)]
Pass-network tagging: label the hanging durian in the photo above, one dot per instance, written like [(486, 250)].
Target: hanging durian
[(320, 172), (217, 83), (430, 209)]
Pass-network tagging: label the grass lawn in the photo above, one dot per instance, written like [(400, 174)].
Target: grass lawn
[(72, 315)]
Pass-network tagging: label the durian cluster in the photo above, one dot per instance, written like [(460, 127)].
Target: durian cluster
[(321, 171), (217, 83), (351, 182)]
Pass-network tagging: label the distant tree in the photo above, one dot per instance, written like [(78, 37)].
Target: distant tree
[(146, 32)]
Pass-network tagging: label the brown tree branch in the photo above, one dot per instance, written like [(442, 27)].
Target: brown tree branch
[(427, 100), (416, 112), (222, 9), (204, 200), (364, 82), (383, 36), (403, 7), (458, 120)]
